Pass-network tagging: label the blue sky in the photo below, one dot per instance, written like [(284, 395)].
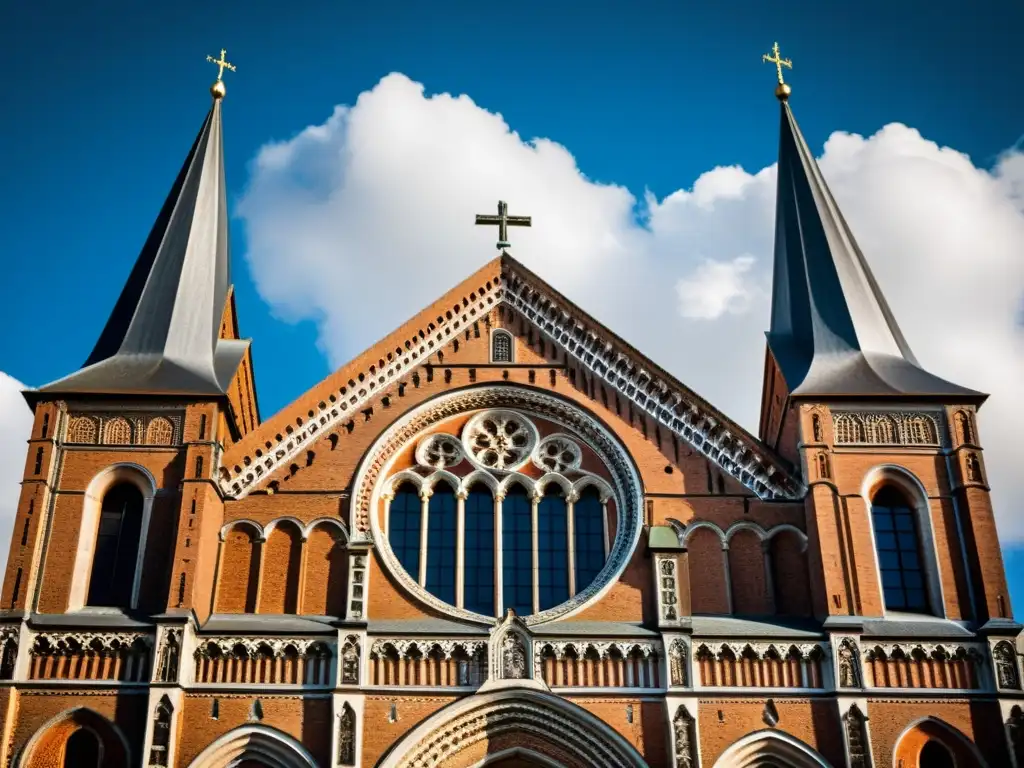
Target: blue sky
[(647, 95)]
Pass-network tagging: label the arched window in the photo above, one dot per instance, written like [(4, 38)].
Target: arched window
[(479, 551), (552, 549), (517, 551), (82, 429), (441, 544), (161, 733), (589, 537), (501, 347), (404, 528), (935, 755), (82, 750), (117, 431), (117, 547), (898, 545), (159, 431)]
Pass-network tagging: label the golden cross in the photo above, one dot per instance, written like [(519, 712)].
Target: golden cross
[(221, 63), (778, 61)]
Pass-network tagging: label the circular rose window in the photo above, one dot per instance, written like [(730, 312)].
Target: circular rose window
[(501, 440)]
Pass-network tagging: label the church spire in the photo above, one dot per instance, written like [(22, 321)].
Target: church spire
[(832, 332), (162, 336)]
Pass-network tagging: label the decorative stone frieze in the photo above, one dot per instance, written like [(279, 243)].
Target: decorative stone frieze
[(760, 665), (418, 662), (262, 661), (886, 428), (119, 656), (923, 665), (597, 664), (88, 427)]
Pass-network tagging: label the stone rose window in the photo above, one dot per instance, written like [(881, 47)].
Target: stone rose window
[(499, 508)]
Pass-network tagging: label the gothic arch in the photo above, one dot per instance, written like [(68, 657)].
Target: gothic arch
[(269, 746), (564, 733), (45, 749), (105, 480), (913, 489), (770, 748), (913, 738)]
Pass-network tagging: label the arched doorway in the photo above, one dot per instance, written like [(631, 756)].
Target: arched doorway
[(932, 743), (514, 728), (255, 746), (78, 738), (770, 749)]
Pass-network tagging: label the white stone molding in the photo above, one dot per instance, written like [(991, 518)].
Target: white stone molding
[(677, 710), (917, 497), (806, 654), (648, 652), (670, 405), (511, 651), (356, 703), (666, 587), (262, 532), (523, 710), (358, 583), (374, 483), (316, 655), (853, 714), (122, 472), (499, 440), (974, 653), (762, 651), (772, 745), (255, 742), (406, 647), (175, 698)]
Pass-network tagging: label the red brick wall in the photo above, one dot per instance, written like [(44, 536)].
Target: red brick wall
[(707, 573), (747, 573)]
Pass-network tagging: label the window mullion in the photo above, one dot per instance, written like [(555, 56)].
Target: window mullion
[(425, 494), (535, 498), (460, 541), (499, 603), (570, 517)]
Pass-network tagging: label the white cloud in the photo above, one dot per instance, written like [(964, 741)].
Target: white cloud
[(15, 426), (360, 221)]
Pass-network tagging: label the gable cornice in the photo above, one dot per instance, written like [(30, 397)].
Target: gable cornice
[(583, 340)]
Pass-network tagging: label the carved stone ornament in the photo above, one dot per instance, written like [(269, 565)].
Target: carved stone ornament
[(685, 741), (678, 661), (558, 453), (374, 474), (513, 657), (350, 661), (170, 652), (889, 428), (439, 451), (1015, 734), (1005, 658), (499, 440), (855, 726), (849, 664), (347, 736)]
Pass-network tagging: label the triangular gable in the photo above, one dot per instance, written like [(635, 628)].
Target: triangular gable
[(578, 336)]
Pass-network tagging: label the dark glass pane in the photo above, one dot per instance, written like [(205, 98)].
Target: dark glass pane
[(888, 559), (910, 560), (915, 600), (441, 544), (891, 579), (882, 520), (517, 552), (913, 579), (589, 538), (894, 599), (117, 547), (552, 550), (908, 541), (404, 529), (904, 522), (886, 541), (479, 552)]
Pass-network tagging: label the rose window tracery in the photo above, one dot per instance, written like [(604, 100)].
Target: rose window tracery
[(557, 453), (500, 440), (439, 452)]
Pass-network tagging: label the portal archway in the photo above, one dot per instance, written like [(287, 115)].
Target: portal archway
[(76, 735), (513, 727), (931, 742), (769, 749), (255, 745)]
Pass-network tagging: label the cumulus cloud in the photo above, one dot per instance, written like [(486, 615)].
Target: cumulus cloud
[(15, 426), (360, 221)]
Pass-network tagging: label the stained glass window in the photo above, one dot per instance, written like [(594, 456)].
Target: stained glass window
[(441, 544), (552, 549), (899, 552), (479, 552), (404, 528), (517, 551), (589, 537)]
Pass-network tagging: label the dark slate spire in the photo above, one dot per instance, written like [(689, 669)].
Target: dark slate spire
[(832, 332), (162, 335)]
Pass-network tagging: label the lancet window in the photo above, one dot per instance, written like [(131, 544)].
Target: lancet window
[(898, 545), (117, 547), (508, 518)]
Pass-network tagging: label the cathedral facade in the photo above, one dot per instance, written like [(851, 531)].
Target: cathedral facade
[(503, 536)]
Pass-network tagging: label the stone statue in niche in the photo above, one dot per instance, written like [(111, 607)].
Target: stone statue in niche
[(1006, 666), (347, 737), (849, 668), (169, 654), (677, 664), (973, 468), (856, 737), (682, 726), (513, 657), (350, 664), (816, 428)]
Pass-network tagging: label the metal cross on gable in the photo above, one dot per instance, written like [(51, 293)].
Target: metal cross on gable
[(503, 221)]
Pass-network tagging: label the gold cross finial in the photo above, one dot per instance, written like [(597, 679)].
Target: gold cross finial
[(217, 89), (783, 90)]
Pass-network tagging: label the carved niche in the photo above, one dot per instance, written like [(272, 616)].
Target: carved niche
[(350, 661), (510, 649), (347, 736), (849, 664), (685, 741), (678, 662), (855, 726), (170, 653), (1005, 658)]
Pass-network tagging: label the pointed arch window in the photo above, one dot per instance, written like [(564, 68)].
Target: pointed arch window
[(589, 537), (441, 529), (82, 750), (501, 347), (479, 551), (404, 517), (117, 548), (552, 549), (935, 755), (517, 551), (898, 545), (161, 733)]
